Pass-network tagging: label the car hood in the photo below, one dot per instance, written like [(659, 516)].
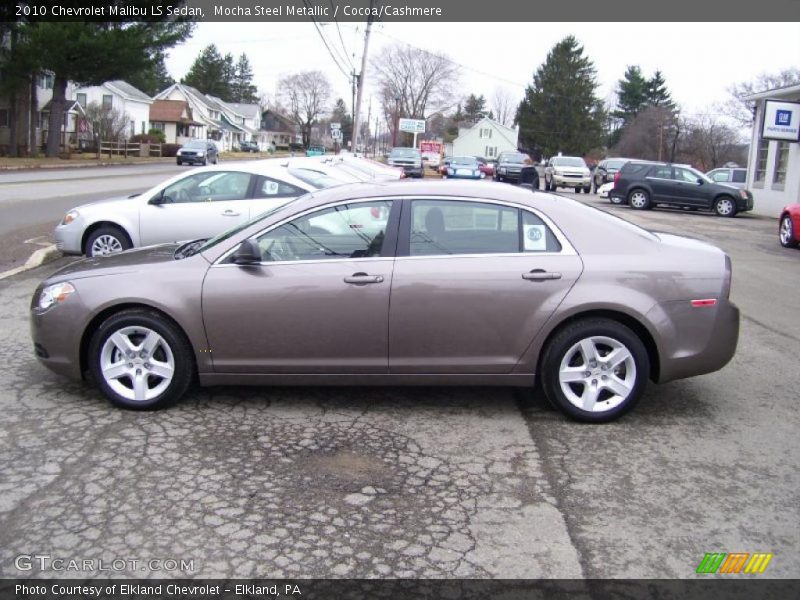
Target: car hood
[(106, 201), (121, 262)]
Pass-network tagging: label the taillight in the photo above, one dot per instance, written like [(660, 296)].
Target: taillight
[(704, 302), (616, 177)]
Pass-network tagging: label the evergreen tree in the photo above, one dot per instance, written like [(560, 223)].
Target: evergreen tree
[(657, 92), (90, 53), (153, 78), (474, 109), (212, 73), (560, 111), (632, 94), (340, 115), (242, 88)]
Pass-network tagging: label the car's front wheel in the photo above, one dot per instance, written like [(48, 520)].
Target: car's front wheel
[(725, 207), (786, 233), (639, 199), (106, 240), (595, 370), (140, 360)]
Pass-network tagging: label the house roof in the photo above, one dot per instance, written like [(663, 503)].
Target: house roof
[(507, 132), (171, 111), (248, 111), (126, 89), (787, 91), (71, 106), (287, 125)]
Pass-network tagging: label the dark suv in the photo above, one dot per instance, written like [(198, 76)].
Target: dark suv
[(644, 185), (509, 166), (605, 171)]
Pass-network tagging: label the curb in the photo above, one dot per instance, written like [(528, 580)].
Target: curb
[(38, 258), (82, 166)]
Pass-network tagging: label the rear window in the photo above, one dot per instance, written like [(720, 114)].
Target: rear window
[(631, 167)]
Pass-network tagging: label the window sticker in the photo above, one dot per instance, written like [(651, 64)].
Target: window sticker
[(534, 238)]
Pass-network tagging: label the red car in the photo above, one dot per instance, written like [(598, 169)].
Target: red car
[(789, 226), (487, 168)]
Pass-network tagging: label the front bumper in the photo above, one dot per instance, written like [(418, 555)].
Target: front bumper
[(563, 181), (508, 172), (192, 159), (743, 205), (411, 171), (68, 238), (56, 334)]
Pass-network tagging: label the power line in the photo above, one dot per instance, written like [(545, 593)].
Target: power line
[(341, 39), (325, 41)]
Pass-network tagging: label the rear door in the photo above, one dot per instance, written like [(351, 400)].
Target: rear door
[(662, 184), (200, 205), (474, 282)]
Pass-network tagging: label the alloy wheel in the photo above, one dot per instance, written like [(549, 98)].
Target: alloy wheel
[(106, 244), (597, 374), (724, 207), (786, 234), (137, 363), (638, 200)]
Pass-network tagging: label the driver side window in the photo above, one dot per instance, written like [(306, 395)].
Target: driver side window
[(344, 231), (211, 186)]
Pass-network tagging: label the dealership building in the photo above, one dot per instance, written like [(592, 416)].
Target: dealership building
[(773, 172)]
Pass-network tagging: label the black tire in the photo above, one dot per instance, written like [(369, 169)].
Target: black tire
[(562, 347), (181, 350), (587, 189), (725, 206), (577, 190), (639, 199), (614, 199), (116, 240), (789, 239), (205, 162), (179, 161)]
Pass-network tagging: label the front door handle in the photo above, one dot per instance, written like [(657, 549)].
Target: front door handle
[(230, 213), (541, 275), (363, 279)]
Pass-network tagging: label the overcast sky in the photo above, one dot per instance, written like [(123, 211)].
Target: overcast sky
[(699, 60)]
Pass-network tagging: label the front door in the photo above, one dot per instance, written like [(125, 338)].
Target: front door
[(318, 303), (200, 205), (477, 284), (688, 191)]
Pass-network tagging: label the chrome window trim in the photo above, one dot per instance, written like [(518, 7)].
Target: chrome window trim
[(567, 249)]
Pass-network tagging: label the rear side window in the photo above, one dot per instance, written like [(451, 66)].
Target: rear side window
[(272, 188), (633, 168), (661, 172), (445, 227), (739, 175)]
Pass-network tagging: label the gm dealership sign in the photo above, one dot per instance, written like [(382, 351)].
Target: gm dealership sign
[(781, 121)]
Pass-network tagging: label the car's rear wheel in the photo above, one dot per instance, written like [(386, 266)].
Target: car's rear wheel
[(140, 360), (179, 161), (725, 207), (595, 370), (786, 233), (106, 240), (639, 199), (615, 199)]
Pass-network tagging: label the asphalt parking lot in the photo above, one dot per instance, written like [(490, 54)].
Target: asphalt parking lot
[(418, 482)]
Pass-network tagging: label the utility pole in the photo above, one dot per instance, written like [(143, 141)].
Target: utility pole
[(360, 80), (369, 114)]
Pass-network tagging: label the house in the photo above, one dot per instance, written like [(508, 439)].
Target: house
[(174, 119), (280, 131), (74, 130), (27, 119), (773, 169), (120, 96), (487, 138), (251, 114)]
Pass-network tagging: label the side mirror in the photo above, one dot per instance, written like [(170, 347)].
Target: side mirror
[(699, 181), (248, 253)]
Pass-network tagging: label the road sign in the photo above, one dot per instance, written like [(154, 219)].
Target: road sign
[(336, 134), (336, 126), (412, 125)]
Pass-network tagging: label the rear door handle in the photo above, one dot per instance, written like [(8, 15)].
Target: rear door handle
[(230, 213), (541, 275), (363, 279)]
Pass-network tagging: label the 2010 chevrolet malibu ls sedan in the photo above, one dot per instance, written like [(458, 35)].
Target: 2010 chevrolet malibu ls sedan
[(452, 283)]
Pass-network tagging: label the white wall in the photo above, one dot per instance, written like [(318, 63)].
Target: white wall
[(470, 142), (770, 197), (136, 110)]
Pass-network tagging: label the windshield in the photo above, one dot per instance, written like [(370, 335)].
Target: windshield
[(464, 160), (315, 178), (234, 230), (700, 175), (614, 164), (568, 161), (517, 158), (401, 152), (195, 144)]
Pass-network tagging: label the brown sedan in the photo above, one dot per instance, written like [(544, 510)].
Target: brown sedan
[(419, 283)]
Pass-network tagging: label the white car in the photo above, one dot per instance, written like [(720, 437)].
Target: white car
[(372, 170), (567, 171), (194, 205), (604, 189)]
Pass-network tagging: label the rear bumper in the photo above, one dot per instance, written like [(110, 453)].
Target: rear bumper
[(695, 341)]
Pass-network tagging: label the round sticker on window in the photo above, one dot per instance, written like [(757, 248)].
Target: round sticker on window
[(534, 238), (271, 188)]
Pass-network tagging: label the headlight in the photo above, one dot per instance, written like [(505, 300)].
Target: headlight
[(502, 169), (201, 153), (55, 294), (70, 217)]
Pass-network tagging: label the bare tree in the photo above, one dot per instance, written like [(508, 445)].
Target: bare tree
[(413, 82), (711, 142), (107, 124), (504, 106), (653, 134), (740, 109), (306, 95)]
